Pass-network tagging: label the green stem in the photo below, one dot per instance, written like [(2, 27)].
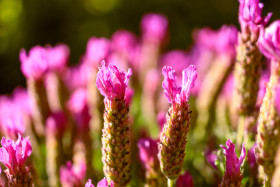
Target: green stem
[(240, 130), (171, 183)]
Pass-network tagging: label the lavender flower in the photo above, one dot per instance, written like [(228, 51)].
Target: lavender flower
[(173, 137), (148, 149), (14, 156), (250, 16), (112, 83), (268, 135), (248, 61), (96, 51), (154, 27), (269, 41), (232, 176), (72, 175), (185, 180), (40, 60)]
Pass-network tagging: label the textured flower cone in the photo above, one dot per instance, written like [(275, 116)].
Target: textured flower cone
[(268, 134), (247, 73), (40, 109), (173, 140), (227, 181), (275, 182), (24, 180), (116, 142)]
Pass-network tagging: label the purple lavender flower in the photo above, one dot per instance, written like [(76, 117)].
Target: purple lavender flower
[(154, 27), (78, 106), (40, 60), (14, 156), (232, 174), (174, 93), (250, 15), (173, 137), (185, 180), (269, 41), (96, 51), (72, 175), (222, 41), (15, 113), (112, 82), (124, 42), (148, 150)]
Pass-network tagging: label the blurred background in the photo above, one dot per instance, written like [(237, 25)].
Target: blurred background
[(25, 23)]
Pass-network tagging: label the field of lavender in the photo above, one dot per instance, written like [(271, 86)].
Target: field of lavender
[(130, 114)]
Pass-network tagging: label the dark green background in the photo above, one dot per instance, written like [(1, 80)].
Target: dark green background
[(25, 23)]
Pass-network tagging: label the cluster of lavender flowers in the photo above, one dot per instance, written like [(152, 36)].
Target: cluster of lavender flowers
[(120, 117)]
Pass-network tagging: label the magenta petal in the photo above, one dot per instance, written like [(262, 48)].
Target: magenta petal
[(232, 162), (269, 41), (102, 183), (4, 157), (169, 83), (189, 77), (89, 184), (112, 82)]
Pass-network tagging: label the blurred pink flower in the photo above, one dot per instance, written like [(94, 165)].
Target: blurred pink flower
[(185, 180), (123, 42), (14, 155), (222, 41), (161, 119), (269, 41), (42, 59), (77, 76), (78, 106), (96, 51), (15, 111), (56, 123), (148, 149), (174, 93), (154, 27), (250, 15), (112, 82), (72, 175), (102, 183)]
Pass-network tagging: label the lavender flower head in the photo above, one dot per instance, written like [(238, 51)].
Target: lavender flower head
[(154, 27), (148, 150), (112, 82), (173, 138), (269, 41), (72, 175), (174, 93), (185, 180), (232, 175), (41, 59), (97, 50), (14, 155), (222, 41), (250, 15)]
